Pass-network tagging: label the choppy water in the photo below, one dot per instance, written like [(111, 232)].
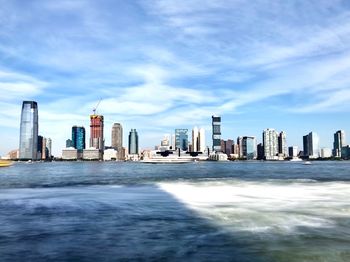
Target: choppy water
[(241, 211)]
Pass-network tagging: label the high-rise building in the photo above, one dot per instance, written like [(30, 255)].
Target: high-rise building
[(44, 149), (216, 133), (311, 145), (314, 147), (181, 139), (282, 144), (133, 142), (49, 148), (195, 139), (260, 149), (306, 145), (69, 143), (117, 136), (293, 151), (270, 142), (78, 138), (249, 147), (28, 141), (339, 142), (40, 147), (96, 132), (201, 138), (239, 147)]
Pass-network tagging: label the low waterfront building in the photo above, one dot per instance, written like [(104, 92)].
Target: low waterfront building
[(92, 154), (110, 154), (293, 151), (69, 153)]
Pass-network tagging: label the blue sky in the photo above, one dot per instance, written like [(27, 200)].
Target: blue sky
[(160, 65)]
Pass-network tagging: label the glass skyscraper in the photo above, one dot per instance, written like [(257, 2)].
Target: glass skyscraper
[(181, 139), (28, 141), (133, 142), (249, 147), (339, 142), (78, 138)]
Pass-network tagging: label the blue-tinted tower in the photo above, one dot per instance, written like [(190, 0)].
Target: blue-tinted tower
[(78, 138)]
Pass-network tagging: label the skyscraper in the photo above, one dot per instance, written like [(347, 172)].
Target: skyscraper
[(117, 136), (282, 144), (249, 148), (195, 139), (216, 133), (270, 143), (28, 141), (311, 145), (133, 142), (49, 148), (201, 139), (339, 142), (314, 147), (78, 138), (40, 147), (181, 139), (96, 132)]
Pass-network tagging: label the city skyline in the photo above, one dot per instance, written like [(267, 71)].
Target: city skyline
[(161, 65)]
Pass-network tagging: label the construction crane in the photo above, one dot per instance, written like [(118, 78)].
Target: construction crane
[(94, 110)]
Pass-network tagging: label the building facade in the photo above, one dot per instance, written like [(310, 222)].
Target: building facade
[(293, 151), (133, 142), (201, 138), (339, 142), (311, 145), (117, 136), (216, 133), (195, 140), (78, 138), (96, 132), (181, 139), (282, 144), (270, 142), (249, 148), (29, 127)]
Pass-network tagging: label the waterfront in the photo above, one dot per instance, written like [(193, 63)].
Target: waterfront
[(203, 211)]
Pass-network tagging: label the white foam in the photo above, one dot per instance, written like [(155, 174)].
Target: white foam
[(273, 207)]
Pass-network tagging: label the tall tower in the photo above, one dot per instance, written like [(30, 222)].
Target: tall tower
[(133, 142), (201, 139), (96, 132), (339, 142), (49, 147), (282, 144), (270, 142), (28, 140), (314, 147), (195, 139), (181, 139), (78, 138), (117, 136), (216, 135)]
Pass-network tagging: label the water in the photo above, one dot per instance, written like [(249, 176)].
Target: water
[(236, 211)]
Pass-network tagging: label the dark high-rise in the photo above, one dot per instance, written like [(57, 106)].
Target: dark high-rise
[(216, 135), (133, 142), (339, 142), (78, 138), (28, 141)]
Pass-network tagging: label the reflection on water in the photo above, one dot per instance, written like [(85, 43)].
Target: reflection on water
[(192, 212)]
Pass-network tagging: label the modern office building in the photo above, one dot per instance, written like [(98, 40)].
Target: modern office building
[(249, 148), (69, 143), (181, 139), (239, 147), (339, 142), (227, 146), (78, 138), (96, 132), (195, 140), (306, 145), (40, 147), (282, 144), (270, 142), (133, 142), (28, 141), (216, 133), (201, 138), (311, 145), (293, 151), (117, 136), (49, 147), (260, 149)]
